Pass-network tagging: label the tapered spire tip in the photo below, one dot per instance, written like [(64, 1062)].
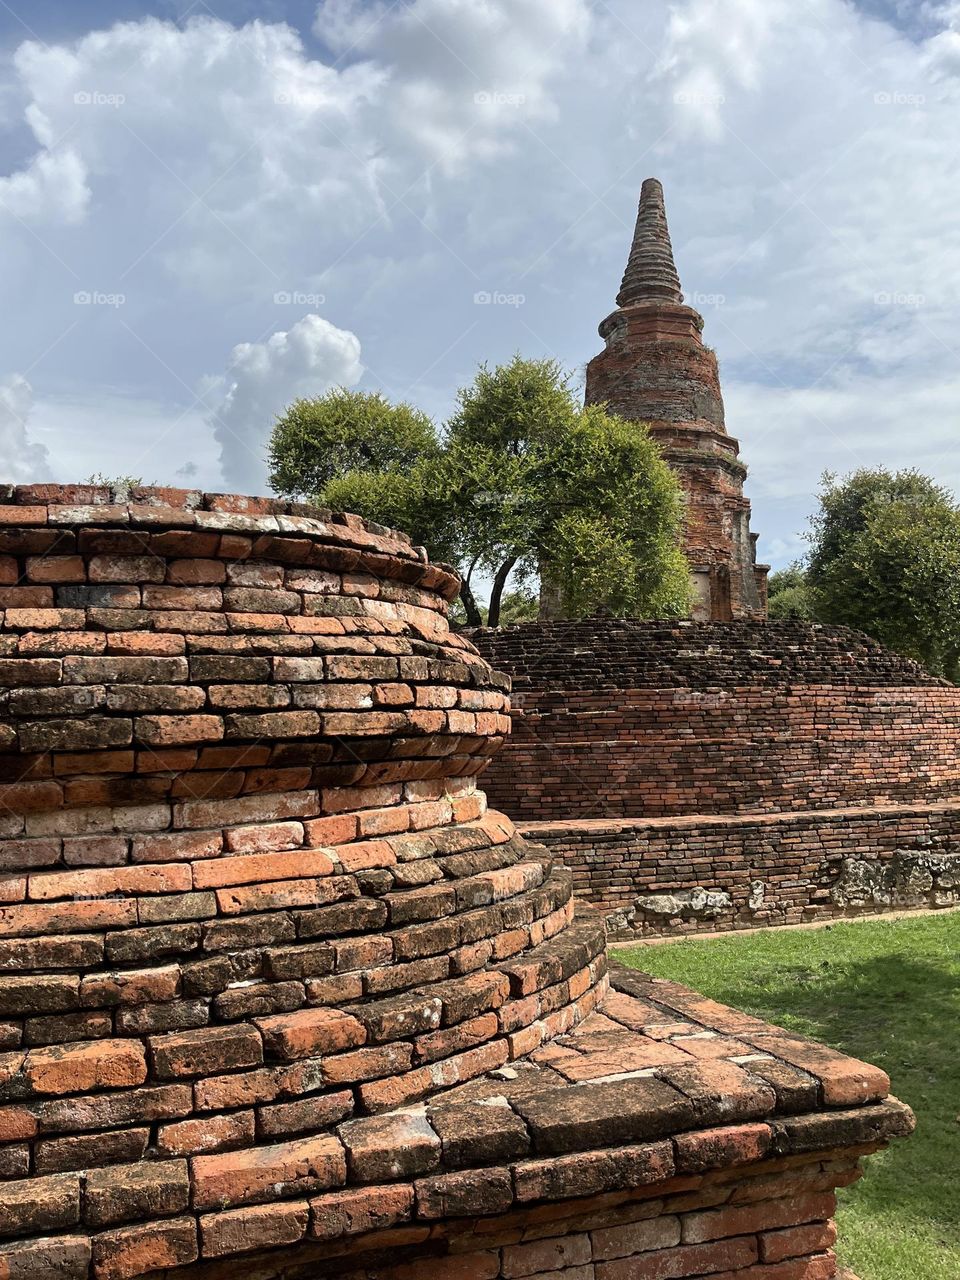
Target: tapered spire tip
[(651, 274)]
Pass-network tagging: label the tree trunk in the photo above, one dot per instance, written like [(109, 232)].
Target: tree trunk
[(474, 617), (499, 582)]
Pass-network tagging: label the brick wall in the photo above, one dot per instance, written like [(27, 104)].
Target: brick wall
[(698, 776), (626, 719), (685, 875), (766, 1223)]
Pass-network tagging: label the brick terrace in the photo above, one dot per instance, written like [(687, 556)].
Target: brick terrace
[(276, 986), (662, 758)]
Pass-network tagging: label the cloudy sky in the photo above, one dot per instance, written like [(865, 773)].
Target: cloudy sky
[(207, 209)]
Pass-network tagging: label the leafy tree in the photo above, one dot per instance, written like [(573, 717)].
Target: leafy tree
[(523, 477), (788, 595), (315, 441), (885, 557), (848, 505)]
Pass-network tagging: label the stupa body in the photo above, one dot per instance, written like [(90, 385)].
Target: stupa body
[(655, 369)]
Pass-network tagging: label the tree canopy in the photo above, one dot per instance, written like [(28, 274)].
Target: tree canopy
[(885, 557), (521, 481), (788, 594)]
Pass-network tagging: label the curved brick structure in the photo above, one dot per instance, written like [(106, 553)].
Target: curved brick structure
[(238, 792), (655, 369), (279, 998), (693, 760)]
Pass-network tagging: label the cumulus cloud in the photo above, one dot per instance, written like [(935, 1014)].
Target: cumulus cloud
[(22, 459), (52, 187), (424, 153), (262, 378)]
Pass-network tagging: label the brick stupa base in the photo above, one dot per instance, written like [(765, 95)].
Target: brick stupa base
[(715, 776), (280, 998)]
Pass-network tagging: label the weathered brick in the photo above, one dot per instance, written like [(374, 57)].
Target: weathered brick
[(84, 1066), (125, 1193), (254, 1227), (310, 1031), (207, 1133), (195, 1053), (40, 1205), (133, 1251), (287, 1169)]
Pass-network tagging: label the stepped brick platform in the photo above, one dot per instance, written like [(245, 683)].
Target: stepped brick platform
[(725, 775), (281, 998)]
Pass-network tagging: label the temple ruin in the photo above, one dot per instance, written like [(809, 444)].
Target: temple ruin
[(281, 998), (727, 771), (656, 370)]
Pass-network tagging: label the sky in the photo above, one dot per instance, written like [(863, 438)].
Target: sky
[(209, 209)]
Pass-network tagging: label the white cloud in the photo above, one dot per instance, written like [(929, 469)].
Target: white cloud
[(52, 187), (22, 459), (434, 149), (262, 378)]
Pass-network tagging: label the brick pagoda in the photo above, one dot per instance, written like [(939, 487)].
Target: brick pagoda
[(280, 998), (655, 369)]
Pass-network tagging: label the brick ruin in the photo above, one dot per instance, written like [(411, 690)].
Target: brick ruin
[(715, 776), (656, 370), (280, 998)]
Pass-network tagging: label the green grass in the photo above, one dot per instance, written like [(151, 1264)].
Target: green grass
[(887, 992)]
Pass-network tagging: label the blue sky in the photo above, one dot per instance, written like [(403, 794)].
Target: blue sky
[(207, 209)]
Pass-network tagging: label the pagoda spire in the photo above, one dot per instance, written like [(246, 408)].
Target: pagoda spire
[(651, 275)]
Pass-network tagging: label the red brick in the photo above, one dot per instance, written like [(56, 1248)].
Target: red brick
[(294, 1168), (154, 1246), (264, 837), (172, 730), (81, 1067), (546, 1255), (797, 1241), (207, 1133), (310, 1031), (193, 572), (631, 1238), (101, 881), (359, 1210), (309, 1115), (196, 1053), (255, 1227), (689, 1260), (715, 1224), (720, 1148)]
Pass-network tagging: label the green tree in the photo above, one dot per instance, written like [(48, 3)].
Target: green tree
[(788, 595), (885, 557), (316, 441), (522, 477)]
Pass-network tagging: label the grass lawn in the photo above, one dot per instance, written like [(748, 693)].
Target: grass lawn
[(887, 992)]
